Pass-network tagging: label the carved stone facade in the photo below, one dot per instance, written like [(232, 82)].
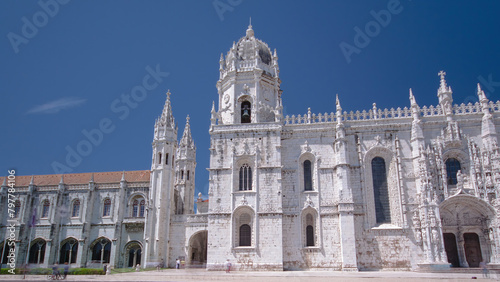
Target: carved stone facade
[(402, 189)]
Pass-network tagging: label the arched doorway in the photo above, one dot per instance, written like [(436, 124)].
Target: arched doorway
[(133, 253), (464, 219), (472, 249), (197, 253)]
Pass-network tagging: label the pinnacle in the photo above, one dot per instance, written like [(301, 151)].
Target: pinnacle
[(187, 139)]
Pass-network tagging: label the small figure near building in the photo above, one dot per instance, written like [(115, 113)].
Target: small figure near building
[(227, 264), (177, 264)]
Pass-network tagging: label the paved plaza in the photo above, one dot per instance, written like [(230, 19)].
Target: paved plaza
[(288, 276)]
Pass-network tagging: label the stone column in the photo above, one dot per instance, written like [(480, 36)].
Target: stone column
[(461, 249), (348, 237)]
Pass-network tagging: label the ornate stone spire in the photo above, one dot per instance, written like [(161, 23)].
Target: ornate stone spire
[(92, 178), (187, 139), (416, 128), (167, 117), (62, 179), (443, 87), (123, 177), (4, 184), (415, 109), (445, 98), (32, 181), (340, 124), (488, 130)]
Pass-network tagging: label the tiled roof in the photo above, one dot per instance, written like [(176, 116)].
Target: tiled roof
[(81, 178)]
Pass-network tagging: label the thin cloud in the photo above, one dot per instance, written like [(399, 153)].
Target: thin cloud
[(57, 105)]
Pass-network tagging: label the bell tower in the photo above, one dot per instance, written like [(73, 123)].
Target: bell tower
[(160, 200), (249, 83)]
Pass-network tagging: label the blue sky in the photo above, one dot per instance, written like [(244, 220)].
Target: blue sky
[(64, 66)]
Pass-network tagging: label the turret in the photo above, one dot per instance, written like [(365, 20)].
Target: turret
[(185, 165), (160, 201), (249, 84)]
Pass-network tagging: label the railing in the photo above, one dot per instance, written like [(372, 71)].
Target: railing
[(398, 113)]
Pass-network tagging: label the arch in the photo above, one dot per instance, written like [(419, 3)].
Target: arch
[(246, 112), (100, 250), (68, 250), (245, 177), (106, 207), (37, 251), (244, 226), (17, 208), (307, 171), (452, 168), (159, 158), (45, 208), (466, 217), (133, 253), (309, 227), (5, 251), (382, 192), (137, 205), (197, 250), (75, 208)]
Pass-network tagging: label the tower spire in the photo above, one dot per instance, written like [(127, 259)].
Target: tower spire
[(187, 139), (166, 116)]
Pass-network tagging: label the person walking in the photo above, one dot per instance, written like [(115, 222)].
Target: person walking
[(228, 266), (177, 264), (66, 269), (486, 273), (55, 271)]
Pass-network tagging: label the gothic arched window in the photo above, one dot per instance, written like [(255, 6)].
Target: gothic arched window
[(166, 158), (245, 235), (452, 168), (187, 175), (17, 209), (101, 251), (245, 177), (246, 112), (37, 252), (69, 251), (159, 158), (380, 190), (309, 231), (142, 206), (75, 211), (106, 210), (308, 176), (135, 208), (45, 209)]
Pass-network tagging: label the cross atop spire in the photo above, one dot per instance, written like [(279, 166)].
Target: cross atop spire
[(443, 87), (442, 74)]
